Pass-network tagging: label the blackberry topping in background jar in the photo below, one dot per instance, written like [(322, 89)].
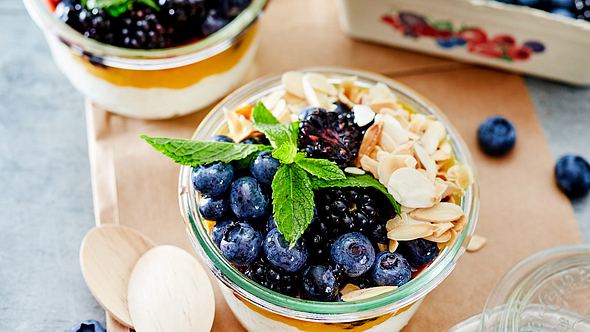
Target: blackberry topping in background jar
[(148, 24), (333, 189)]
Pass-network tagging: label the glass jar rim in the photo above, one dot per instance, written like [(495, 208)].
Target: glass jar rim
[(327, 311), (124, 58)]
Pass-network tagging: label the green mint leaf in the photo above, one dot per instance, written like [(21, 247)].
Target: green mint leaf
[(321, 168), (281, 137), (150, 3), (262, 116), (193, 153), (285, 153), (117, 7), (292, 201), (364, 180)]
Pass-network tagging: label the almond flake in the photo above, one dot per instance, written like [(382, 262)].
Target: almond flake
[(441, 187), (271, 100), (453, 237), (320, 83), (367, 293), (381, 247), (363, 115), (428, 163), (460, 223), (310, 94), (411, 231), (406, 148), (452, 189), (393, 128), (443, 153), (445, 237), (281, 112), (380, 93), (239, 127), (349, 288), (354, 170), (393, 244), (293, 82), (369, 164), (433, 136), (441, 228), (370, 140), (441, 212), (344, 99), (394, 222), (388, 163), (387, 142), (412, 188), (476, 243), (378, 106), (461, 175)]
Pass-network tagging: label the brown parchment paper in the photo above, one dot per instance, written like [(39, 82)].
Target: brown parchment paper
[(521, 209)]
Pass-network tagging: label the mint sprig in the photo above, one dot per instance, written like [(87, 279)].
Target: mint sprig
[(282, 137), (321, 168), (117, 7)]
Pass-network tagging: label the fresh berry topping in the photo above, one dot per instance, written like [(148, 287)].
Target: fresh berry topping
[(319, 283), (241, 244), (213, 22), (573, 175), (271, 224), (582, 9), (363, 281), (390, 269), (264, 167), (213, 180), (278, 252), (219, 230), (273, 278), (496, 136), (221, 138), (88, 326), (142, 29), (261, 139), (354, 253), (329, 135), (185, 16), (418, 252), (213, 208), (247, 200)]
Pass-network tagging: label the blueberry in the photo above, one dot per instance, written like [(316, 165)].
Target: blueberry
[(219, 230), (563, 12), (418, 252), (264, 167), (221, 138), (528, 3), (319, 283), (247, 200), (354, 253), (390, 269), (256, 140), (213, 208), (562, 3), (90, 325), (241, 244), (271, 223), (496, 136), (213, 180), (278, 253), (213, 22), (573, 175)]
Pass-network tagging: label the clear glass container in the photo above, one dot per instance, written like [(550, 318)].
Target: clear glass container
[(259, 308), (548, 291), (153, 84)]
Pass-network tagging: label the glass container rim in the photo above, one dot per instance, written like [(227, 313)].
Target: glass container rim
[(329, 311), (156, 59)]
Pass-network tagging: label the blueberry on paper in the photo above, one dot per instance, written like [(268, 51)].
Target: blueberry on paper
[(390, 269), (247, 199), (213, 180), (418, 252), (573, 175), (319, 283), (354, 253), (264, 167), (496, 136), (241, 244), (278, 253), (90, 325), (213, 208)]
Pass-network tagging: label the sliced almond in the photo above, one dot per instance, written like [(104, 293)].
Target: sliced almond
[(393, 244), (386, 142), (393, 128), (406, 148), (272, 99), (461, 175), (370, 165), (411, 231), (310, 94), (433, 136), (476, 243), (441, 212), (380, 93), (344, 98), (367, 293), (428, 163), (453, 237), (412, 188), (363, 115), (354, 170), (452, 189), (382, 247), (245, 111), (460, 223), (378, 106), (394, 222), (370, 141), (388, 163), (281, 112), (349, 288), (418, 123), (441, 238), (443, 153), (441, 187), (239, 127), (320, 83), (293, 83), (441, 228)]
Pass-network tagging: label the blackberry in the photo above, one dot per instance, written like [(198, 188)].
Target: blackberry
[(141, 29), (273, 278), (343, 210), (186, 16), (95, 23), (329, 135)]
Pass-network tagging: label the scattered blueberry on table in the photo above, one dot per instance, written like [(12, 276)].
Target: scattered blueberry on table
[(88, 326), (572, 174), (496, 136)]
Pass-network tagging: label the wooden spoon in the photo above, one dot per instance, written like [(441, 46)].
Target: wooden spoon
[(107, 256), (170, 291)]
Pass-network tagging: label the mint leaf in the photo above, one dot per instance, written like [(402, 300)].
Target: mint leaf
[(321, 168), (285, 153), (364, 180), (193, 153), (292, 201), (282, 137), (262, 116), (117, 7)]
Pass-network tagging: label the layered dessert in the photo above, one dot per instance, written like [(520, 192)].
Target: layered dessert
[(323, 191), (151, 58)]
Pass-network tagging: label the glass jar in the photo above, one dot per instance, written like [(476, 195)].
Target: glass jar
[(546, 292), (153, 84), (260, 309)]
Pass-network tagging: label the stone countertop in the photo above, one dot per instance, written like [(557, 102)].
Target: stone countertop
[(46, 204)]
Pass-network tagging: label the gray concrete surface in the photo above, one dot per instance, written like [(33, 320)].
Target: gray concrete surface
[(45, 195)]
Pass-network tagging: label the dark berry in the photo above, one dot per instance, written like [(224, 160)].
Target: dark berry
[(354, 253), (213, 180), (247, 200), (418, 252), (213, 22), (573, 175), (219, 230), (362, 282), (221, 138), (279, 253), (582, 9), (329, 135), (496, 136), (141, 29), (256, 140), (390, 269), (563, 12), (88, 326), (241, 244), (213, 208), (271, 224), (319, 283), (273, 278), (186, 16), (231, 8), (264, 167)]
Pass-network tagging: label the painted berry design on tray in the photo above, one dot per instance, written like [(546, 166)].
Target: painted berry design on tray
[(335, 192)]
